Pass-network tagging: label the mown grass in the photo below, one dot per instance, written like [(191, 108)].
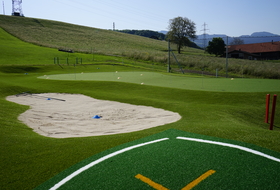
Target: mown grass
[(174, 81), (28, 159), (237, 116), (92, 40)]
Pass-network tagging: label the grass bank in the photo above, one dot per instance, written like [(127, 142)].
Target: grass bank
[(136, 48)]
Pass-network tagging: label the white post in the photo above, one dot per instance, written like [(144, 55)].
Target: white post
[(168, 69), (3, 8), (227, 58)]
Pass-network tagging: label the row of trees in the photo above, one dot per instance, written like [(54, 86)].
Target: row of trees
[(145, 33)]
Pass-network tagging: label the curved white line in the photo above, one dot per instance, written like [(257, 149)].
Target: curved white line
[(232, 146), (68, 178)]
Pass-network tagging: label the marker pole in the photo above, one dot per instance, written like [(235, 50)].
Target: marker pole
[(273, 111), (267, 108)]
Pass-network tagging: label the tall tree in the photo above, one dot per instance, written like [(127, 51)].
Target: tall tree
[(216, 47), (180, 30)]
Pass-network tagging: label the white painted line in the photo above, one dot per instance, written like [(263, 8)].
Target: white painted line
[(68, 178), (232, 146)]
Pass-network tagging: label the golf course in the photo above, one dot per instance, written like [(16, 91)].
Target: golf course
[(220, 141)]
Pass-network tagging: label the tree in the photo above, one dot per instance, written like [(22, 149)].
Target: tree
[(216, 46), (180, 30), (237, 41)]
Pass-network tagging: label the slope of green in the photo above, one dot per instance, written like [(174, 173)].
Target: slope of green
[(16, 52), (78, 38), (92, 40)]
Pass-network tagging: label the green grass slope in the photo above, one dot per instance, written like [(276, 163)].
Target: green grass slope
[(16, 52), (92, 40), (78, 38), (28, 159)]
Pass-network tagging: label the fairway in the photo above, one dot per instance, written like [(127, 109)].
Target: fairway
[(174, 159), (180, 82)]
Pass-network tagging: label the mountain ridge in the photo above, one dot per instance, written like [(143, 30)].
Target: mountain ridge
[(255, 37)]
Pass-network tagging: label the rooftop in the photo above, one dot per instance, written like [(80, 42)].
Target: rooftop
[(256, 48)]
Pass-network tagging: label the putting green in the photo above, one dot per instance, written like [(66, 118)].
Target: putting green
[(174, 159), (181, 82)]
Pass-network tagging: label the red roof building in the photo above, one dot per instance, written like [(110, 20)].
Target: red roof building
[(259, 51)]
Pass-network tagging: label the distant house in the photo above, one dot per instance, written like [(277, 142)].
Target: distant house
[(259, 51)]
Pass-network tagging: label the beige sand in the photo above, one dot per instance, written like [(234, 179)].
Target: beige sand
[(73, 117)]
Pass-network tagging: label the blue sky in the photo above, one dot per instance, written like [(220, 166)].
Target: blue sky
[(233, 18)]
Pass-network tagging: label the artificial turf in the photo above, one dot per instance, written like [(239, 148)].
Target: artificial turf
[(174, 163)]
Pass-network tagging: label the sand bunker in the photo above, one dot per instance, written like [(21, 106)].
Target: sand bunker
[(71, 115)]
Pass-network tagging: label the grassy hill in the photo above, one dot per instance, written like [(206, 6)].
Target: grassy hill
[(79, 38), (92, 40)]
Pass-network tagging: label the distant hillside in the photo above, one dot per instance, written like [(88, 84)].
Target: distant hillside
[(145, 33), (152, 34), (163, 31), (193, 44), (256, 37)]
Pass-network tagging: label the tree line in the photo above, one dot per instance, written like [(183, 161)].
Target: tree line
[(181, 32), (155, 35), (145, 33)]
